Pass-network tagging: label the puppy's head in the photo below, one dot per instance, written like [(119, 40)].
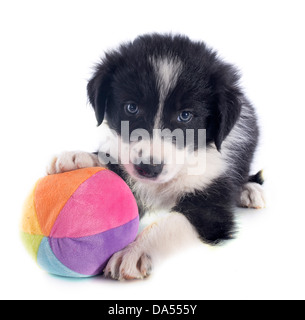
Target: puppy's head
[(165, 88)]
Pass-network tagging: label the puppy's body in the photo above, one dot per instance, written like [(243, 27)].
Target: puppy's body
[(169, 82)]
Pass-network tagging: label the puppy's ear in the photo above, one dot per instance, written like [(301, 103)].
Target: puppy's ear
[(228, 104), (99, 87)]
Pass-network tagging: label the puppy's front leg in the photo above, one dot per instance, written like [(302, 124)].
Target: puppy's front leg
[(136, 260), (68, 161)]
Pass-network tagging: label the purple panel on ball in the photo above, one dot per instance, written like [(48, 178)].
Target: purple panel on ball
[(89, 255)]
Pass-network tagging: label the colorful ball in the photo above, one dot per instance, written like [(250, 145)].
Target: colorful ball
[(74, 222)]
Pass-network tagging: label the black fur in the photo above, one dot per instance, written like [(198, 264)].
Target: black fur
[(210, 87), (257, 178), (211, 210)]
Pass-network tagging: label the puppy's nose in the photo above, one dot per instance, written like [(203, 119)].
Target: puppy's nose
[(149, 171)]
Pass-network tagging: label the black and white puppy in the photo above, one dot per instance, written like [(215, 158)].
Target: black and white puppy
[(166, 82)]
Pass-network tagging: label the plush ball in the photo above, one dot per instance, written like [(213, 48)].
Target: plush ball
[(74, 222)]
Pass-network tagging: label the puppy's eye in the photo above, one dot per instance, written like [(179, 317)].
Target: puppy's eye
[(185, 116), (131, 108)]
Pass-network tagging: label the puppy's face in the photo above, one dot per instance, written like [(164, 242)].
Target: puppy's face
[(163, 96)]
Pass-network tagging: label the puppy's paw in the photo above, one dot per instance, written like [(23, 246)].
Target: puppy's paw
[(68, 161), (252, 196), (128, 264)]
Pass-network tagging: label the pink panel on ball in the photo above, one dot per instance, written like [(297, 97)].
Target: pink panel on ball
[(102, 202)]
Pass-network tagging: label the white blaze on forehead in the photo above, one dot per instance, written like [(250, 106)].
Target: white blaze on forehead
[(167, 71)]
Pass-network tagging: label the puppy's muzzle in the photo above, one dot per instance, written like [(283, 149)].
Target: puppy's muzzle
[(149, 171)]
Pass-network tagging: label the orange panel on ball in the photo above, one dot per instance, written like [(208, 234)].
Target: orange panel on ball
[(53, 192)]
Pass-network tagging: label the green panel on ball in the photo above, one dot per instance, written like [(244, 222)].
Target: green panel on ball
[(32, 243)]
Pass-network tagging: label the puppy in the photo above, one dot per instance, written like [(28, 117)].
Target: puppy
[(169, 95)]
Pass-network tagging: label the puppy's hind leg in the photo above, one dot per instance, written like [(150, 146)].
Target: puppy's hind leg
[(252, 196)]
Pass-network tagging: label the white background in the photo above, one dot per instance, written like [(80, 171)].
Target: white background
[(47, 51)]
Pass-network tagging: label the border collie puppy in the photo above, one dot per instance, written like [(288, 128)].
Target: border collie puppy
[(166, 83)]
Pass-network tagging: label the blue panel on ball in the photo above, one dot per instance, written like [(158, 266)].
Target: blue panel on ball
[(48, 261)]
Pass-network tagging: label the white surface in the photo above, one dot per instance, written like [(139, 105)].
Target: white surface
[(47, 50)]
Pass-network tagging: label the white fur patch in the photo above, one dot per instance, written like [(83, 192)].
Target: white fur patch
[(167, 71)]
